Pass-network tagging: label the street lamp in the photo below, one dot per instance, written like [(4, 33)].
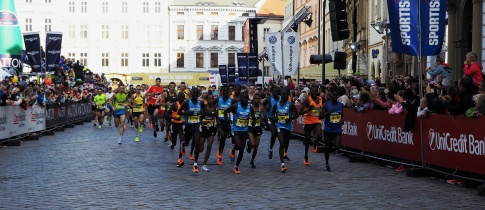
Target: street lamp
[(383, 27), (354, 46)]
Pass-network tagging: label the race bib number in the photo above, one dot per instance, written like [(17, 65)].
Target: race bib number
[(315, 112), (258, 122), (221, 113), (241, 122), (138, 108), (283, 118), (335, 117), (207, 122), (194, 119), (162, 108), (120, 106)]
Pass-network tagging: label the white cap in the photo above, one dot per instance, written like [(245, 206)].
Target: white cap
[(306, 90)]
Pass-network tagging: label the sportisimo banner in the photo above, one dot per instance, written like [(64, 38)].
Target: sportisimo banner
[(53, 48), (433, 18), (403, 21), (242, 66), (253, 67), (231, 74), (273, 48), (223, 73), (32, 49), (291, 53)]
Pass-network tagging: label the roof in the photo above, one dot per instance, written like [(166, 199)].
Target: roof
[(272, 8), (215, 3)]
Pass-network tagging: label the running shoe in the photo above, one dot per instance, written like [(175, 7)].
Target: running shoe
[(283, 169), (154, 133), (461, 183), (219, 153), (140, 129), (452, 181), (236, 170), (180, 162), (182, 150), (327, 168), (149, 125), (156, 128), (131, 126), (219, 161), (109, 124), (119, 141), (270, 154), (248, 148), (205, 169), (231, 154), (400, 168), (305, 161), (252, 164), (195, 169), (191, 157), (165, 139), (172, 146), (314, 148), (94, 124), (137, 139), (100, 126), (286, 156)]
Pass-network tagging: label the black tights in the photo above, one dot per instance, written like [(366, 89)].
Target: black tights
[(308, 136), (240, 143), (222, 135), (284, 138), (274, 134)]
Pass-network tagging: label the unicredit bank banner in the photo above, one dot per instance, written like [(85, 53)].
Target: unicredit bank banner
[(403, 21), (433, 19)]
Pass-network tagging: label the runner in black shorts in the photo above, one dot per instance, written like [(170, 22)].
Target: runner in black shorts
[(269, 103), (223, 124), (191, 110), (258, 113), (177, 126), (241, 113), (209, 128)]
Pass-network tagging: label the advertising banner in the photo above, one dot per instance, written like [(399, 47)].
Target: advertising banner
[(223, 73), (231, 74), (433, 25), (403, 22), (291, 53), (242, 66), (5, 121), (32, 50), (50, 114), (53, 49), (11, 45), (20, 123), (275, 54), (37, 118), (253, 67)]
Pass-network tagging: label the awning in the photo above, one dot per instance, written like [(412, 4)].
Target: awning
[(190, 78), (315, 72)]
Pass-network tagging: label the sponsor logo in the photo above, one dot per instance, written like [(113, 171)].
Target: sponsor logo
[(349, 129), (19, 120), (273, 39), (405, 21), (393, 134), (434, 22), (466, 144), (54, 52), (3, 122), (290, 67), (291, 39), (8, 18), (31, 39), (10, 62), (32, 53), (35, 116), (55, 38)]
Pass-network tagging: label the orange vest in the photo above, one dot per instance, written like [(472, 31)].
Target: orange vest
[(311, 117), (175, 115)]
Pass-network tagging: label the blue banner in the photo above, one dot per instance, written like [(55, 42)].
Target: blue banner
[(242, 66), (53, 48), (253, 67), (433, 20), (231, 74), (403, 22), (32, 50), (223, 73)]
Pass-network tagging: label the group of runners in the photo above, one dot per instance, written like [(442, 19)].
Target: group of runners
[(195, 118)]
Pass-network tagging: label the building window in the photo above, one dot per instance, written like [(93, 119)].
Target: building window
[(231, 59), (199, 13), (266, 30), (146, 60), (200, 32), (84, 7), (157, 32), (105, 59), (71, 55), (214, 60), (105, 7), (72, 31), (214, 32), (214, 13), (146, 32), (72, 6), (48, 25), (157, 7), (266, 71), (124, 59), (124, 31), (28, 24), (48, 1), (83, 59), (245, 14), (158, 59), (180, 60), (180, 32), (145, 7), (105, 32), (124, 7), (84, 32), (232, 32), (232, 14), (180, 13), (28, 1), (199, 60)]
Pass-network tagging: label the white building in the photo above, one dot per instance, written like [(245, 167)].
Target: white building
[(289, 11), (109, 36), (204, 35)]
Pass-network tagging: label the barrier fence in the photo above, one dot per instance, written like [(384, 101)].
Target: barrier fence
[(440, 143), (16, 122)]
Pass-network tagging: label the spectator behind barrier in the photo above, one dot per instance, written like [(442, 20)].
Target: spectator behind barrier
[(473, 69), (476, 111)]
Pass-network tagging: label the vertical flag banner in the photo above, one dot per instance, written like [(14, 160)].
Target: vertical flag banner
[(231, 74), (53, 48), (253, 67), (403, 21), (32, 49), (11, 45), (291, 48), (223, 73), (242, 66), (433, 18), (273, 49)]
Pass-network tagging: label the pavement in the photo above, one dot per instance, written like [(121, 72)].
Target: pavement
[(85, 168)]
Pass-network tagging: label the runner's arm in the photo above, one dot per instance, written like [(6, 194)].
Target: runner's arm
[(231, 109), (295, 112), (324, 112), (183, 107)]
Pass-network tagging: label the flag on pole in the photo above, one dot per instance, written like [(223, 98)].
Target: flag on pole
[(273, 47), (291, 48)]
